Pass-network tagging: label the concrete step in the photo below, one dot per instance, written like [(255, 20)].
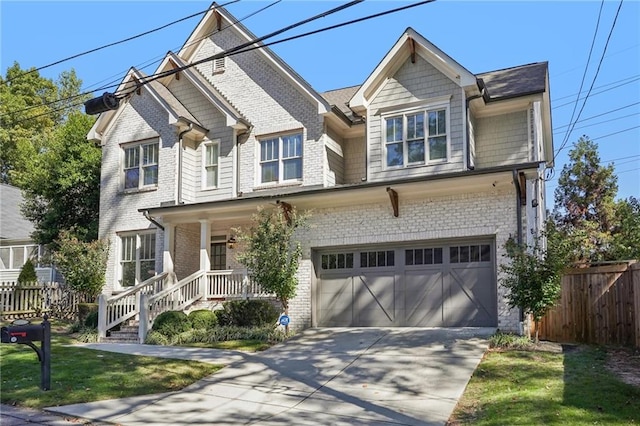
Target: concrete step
[(112, 339)]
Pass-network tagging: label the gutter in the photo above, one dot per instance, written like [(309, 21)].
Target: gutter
[(467, 102), (516, 182), (145, 213), (180, 135)]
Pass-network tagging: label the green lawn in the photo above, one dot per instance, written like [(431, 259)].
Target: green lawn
[(515, 387), (84, 375)]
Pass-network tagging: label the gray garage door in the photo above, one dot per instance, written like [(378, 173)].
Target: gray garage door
[(432, 285)]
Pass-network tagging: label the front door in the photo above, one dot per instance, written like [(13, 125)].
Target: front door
[(218, 256)]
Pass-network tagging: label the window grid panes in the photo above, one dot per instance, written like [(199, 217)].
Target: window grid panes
[(137, 258), (470, 253), (211, 154), (337, 261), (374, 259), (281, 158), (141, 165), (427, 256), (416, 138)]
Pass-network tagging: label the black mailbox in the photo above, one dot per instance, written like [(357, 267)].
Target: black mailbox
[(26, 334), (21, 334)]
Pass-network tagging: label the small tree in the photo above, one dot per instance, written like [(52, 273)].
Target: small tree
[(27, 273), (533, 277), (83, 264), (270, 253)]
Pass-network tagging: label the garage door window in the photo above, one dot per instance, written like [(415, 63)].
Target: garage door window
[(337, 261), (470, 253), (373, 259), (428, 256)]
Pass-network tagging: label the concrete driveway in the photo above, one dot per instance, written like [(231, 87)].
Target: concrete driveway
[(345, 376)]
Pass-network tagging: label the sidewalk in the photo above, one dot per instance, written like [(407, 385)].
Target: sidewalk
[(19, 416)]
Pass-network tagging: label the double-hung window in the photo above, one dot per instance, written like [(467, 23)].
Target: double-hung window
[(137, 257), (416, 137), (141, 165), (210, 155), (281, 158)]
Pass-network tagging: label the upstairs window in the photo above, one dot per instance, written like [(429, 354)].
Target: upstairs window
[(141, 165), (416, 138), (210, 155), (281, 159)]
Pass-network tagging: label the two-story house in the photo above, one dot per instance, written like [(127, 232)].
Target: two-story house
[(415, 179)]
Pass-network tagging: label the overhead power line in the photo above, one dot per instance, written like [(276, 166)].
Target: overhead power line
[(633, 78), (600, 115), (115, 43), (602, 91), (116, 82), (604, 51), (600, 122)]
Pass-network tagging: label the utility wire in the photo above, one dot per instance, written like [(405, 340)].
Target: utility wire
[(600, 137), (116, 82), (633, 77), (584, 74), (604, 51), (120, 41), (600, 115), (600, 122), (602, 91), (235, 51)]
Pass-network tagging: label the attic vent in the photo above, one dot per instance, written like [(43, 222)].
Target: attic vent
[(219, 65)]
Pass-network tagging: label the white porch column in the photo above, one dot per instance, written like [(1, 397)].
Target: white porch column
[(167, 254), (205, 245)]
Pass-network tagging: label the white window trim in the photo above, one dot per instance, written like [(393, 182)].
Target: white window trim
[(425, 108), (139, 143), (203, 169), (138, 234), (280, 181)]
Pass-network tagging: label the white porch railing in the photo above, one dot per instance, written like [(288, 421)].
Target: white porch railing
[(126, 305), (147, 302)]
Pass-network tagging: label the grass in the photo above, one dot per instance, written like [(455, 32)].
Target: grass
[(84, 375), (516, 387)]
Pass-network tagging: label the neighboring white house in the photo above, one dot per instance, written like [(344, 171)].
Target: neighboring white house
[(416, 178), (16, 245)]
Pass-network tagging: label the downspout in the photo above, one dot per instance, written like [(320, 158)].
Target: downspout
[(152, 220), (180, 135), (467, 102), (516, 182)]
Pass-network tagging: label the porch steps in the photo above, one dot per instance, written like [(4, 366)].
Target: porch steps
[(127, 334)]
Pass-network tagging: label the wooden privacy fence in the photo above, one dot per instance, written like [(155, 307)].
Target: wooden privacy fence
[(599, 305), (28, 300)]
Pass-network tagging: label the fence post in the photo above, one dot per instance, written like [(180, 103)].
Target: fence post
[(245, 285), (203, 285), (102, 317), (143, 315), (635, 285)]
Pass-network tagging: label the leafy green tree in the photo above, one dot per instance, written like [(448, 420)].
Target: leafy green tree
[(30, 107), (61, 185), (270, 252), (584, 208), (83, 264), (27, 273), (534, 274), (626, 233)]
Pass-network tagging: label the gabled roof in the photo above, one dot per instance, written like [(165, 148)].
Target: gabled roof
[(515, 81), (409, 43), (178, 113), (213, 19), (340, 99), (13, 225), (233, 117)]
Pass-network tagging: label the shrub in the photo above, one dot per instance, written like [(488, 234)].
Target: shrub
[(88, 335), (156, 338), (85, 310), (247, 313), (509, 341), (91, 321), (27, 273), (203, 319), (171, 322)]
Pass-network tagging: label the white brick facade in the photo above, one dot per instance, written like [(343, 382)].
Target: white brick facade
[(275, 101)]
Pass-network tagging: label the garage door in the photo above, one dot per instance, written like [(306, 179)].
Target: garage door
[(431, 285)]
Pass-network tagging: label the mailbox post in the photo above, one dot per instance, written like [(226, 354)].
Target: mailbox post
[(26, 335)]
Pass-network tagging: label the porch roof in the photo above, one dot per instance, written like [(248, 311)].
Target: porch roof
[(318, 197)]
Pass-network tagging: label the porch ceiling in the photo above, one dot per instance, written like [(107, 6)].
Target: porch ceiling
[(240, 209)]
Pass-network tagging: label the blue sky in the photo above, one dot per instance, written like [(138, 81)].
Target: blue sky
[(481, 36)]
